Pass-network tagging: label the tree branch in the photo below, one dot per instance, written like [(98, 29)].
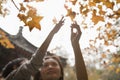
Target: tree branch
[(15, 5)]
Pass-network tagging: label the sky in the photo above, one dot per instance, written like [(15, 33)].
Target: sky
[(48, 9)]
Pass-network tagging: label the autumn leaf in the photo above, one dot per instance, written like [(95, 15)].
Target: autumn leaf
[(73, 1), (96, 18), (35, 22), (22, 17), (117, 1), (99, 28), (84, 10), (103, 55), (106, 43), (32, 11), (22, 8), (117, 13), (100, 10), (108, 4), (108, 25), (71, 14), (4, 41), (92, 4), (96, 1)]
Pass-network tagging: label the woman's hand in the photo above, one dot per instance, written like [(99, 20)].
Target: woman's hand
[(58, 25), (75, 36)]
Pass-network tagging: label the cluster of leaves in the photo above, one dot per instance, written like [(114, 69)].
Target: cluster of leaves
[(114, 63), (89, 6), (5, 41), (31, 19)]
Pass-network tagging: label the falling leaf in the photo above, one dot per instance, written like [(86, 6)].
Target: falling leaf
[(99, 28), (35, 22), (22, 8), (100, 10), (73, 1), (71, 14), (106, 43), (117, 13), (103, 55), (96, 19), (92, 4), (32, 11), (4, 41), (22, 17), (96, 1), (66, 6), (117, 1), (84, 10), (108, 4), (108, 25)]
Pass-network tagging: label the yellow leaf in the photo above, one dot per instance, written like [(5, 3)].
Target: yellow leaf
[(103, 55), (92, 4), (34, 22), (99, 28), (22, 8), (117, 13), (118, 1), (4, 41), (22, 17), (73, 1), (84, 10), (100, 10), (109, 4), (96, 1), (108, 25), (106, 43), (32, 11), (71, 14), (96, 19)]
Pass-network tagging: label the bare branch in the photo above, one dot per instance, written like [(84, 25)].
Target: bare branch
[(15, 5)]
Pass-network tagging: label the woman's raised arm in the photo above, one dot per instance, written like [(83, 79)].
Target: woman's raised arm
[(81, 72)]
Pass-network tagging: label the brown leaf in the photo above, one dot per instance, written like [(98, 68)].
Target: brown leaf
[(22, 17), (71, 14), (22, 8), (73, 1), (92, 4), (100, 10), (84, 10), (4, 41), (96, 18), (118, 1), (108, 4), (35, 22)]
